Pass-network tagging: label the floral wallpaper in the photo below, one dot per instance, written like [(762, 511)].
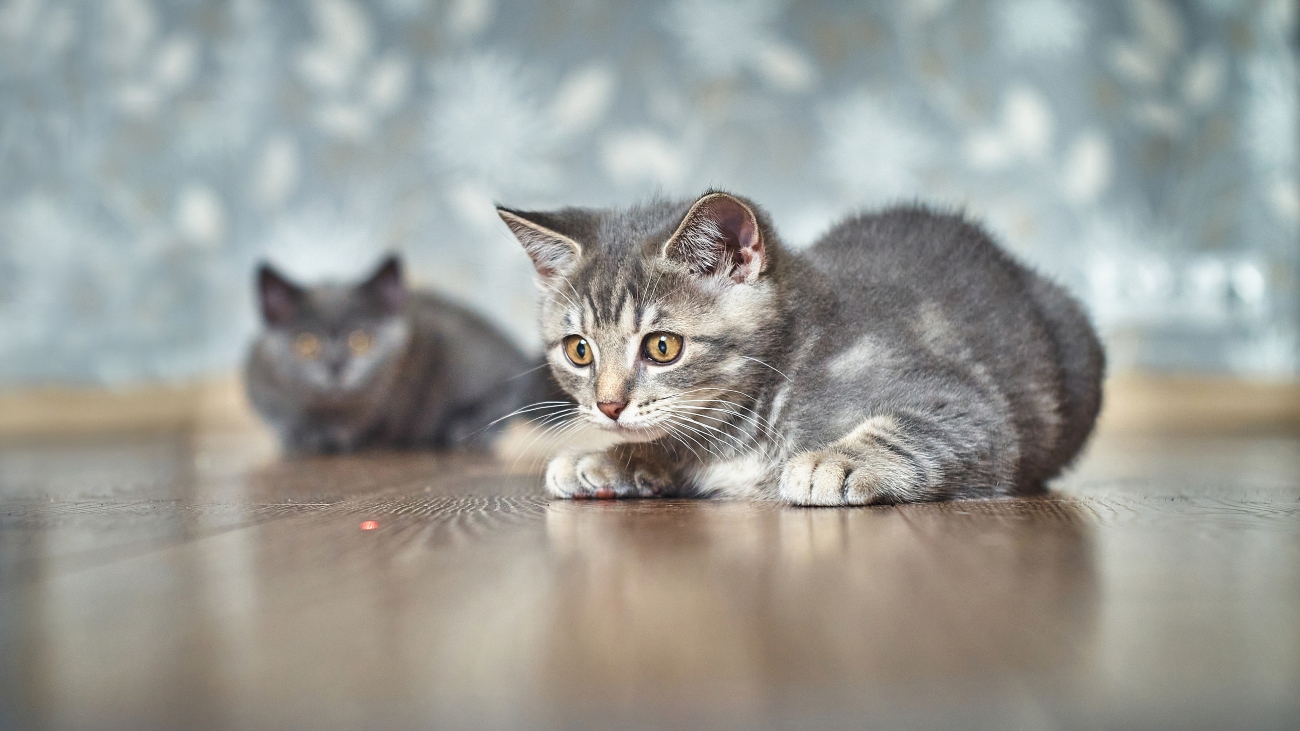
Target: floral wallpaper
[(151, 152)]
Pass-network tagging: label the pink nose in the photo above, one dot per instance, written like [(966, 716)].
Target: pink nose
[(611, 408)]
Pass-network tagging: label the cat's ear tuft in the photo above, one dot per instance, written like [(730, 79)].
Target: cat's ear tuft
[(553, 253), (386, 285), (719, 237), (277, 295)]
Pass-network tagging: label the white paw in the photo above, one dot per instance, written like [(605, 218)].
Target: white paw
[(828, 477), (578, 474)]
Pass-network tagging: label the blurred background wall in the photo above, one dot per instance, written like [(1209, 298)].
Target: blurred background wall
[(1142, 151)]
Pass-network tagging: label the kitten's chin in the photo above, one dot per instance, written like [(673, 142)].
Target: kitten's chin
[(634, 433)]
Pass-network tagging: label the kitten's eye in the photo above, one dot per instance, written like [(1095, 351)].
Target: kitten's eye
[(578, 350), (662, 348), (306, 346), (359, 342)]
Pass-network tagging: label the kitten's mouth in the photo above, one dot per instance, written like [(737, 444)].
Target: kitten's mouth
[(631, 432), (639, 433)]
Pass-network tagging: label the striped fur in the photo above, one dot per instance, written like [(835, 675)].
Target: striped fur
[(903, 357)]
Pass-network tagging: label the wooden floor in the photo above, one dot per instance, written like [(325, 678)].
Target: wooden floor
[(184, 582)]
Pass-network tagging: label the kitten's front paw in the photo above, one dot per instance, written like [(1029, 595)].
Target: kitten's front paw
[(831, 477), (579, 475)]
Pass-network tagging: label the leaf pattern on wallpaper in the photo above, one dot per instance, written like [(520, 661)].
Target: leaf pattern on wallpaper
[(1143, 151)]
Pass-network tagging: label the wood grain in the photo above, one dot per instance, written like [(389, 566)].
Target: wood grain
[(171, 582)]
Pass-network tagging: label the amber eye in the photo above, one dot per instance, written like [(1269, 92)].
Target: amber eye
[(306, 346), (662, 347), (578, 350), (359, 341)]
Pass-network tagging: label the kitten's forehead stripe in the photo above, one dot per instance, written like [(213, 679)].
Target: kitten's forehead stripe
[(588, 316), (627, 314), (649, 315)]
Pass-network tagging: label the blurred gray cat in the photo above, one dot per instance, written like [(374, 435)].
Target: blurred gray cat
[(340, 368), (903, 357)]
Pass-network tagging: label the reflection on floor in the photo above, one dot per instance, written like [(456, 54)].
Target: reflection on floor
[(176, 582)]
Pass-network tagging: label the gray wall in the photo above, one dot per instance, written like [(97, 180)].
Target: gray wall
[(151, 152)]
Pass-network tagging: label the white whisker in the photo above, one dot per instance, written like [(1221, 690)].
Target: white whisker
[(756, 360), (677, 435), (739, 409), (558, 427), (750, 409), (760, 423), (753, 418), (690, 432), (530, 370), (531, 407), (692, 427), (738, 443)]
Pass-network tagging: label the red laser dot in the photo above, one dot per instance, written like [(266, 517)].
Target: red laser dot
[(369, 524)]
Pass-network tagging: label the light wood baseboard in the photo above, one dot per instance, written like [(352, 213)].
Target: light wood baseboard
[(1134, 404), (216, 404), (1146, 403)]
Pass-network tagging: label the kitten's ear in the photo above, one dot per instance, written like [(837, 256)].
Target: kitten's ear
[(386, 285), (553, 253), (278, 296), (719, 237)]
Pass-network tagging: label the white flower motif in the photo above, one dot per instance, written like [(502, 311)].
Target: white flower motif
[(724, 37), (277, 172), (200, 215), (33, 33), (146, 72), (1042, 28), (354, 92), (468, 18), (643, 157), (1023, 134), (583, 98), (486, 124), (1087, 168), (872, 151), (1272, 114)]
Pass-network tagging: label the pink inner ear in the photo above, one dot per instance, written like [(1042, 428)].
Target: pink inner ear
[(552, 254), (387, 285), (392, 292), (277, 305), (737, 235), (278, 296)]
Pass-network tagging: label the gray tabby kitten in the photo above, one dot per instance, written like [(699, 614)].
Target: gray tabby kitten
[(340, 368), (903, 357)]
